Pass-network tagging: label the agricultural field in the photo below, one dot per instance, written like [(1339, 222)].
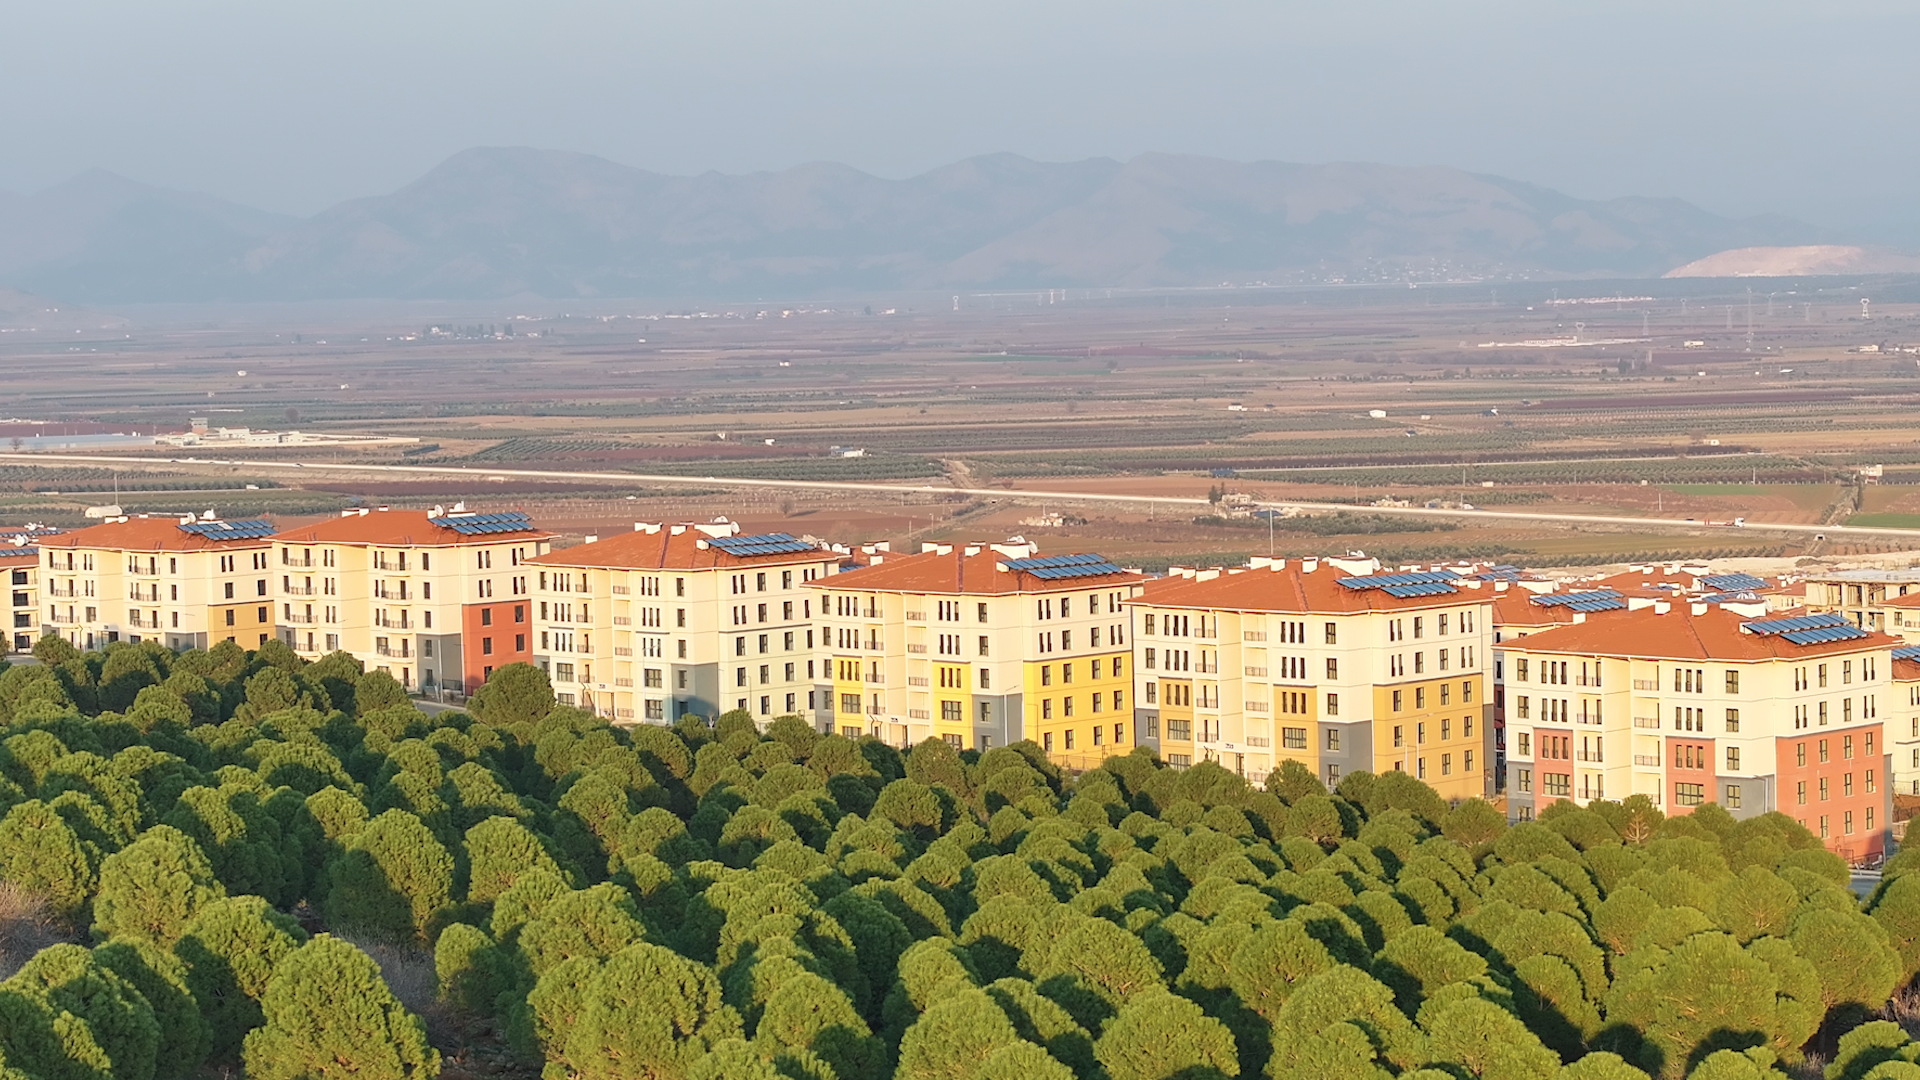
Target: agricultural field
[(1351, 397)]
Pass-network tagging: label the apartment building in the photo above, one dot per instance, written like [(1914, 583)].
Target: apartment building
[(981, 645), (187, 582), (671, 620), (1690, 703), (1903, 731), (1866, 597), (437, 599), (20, 566), (1331, 663)]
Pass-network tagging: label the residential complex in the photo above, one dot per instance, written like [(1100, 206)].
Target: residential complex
[(667, 620), (1330, 663), (186, 582), (981, 645), (437, 599), (1676, 683), (1688, 703)]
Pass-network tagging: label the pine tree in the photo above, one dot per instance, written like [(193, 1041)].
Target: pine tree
[(392, 880), (650, 1013), (161, 978), (152, 888), (64, 1014), (230, 950), (329, 1014)]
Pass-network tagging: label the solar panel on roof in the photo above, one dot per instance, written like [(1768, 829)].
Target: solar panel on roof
[(1057, 567), (1764, 627), (486, 524), (1733, 582), (1390, 581), (1820, 635), (1419, 588), (1582, 601), (764, 544), (229, 530), (1907, 652)]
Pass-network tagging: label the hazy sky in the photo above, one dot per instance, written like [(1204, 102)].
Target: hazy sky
[(1750, 107)]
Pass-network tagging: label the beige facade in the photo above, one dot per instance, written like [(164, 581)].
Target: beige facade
[(185, 582), (672, 620), (435, 599)]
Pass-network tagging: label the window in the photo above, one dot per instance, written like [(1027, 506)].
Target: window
[(1397, 700), (1523, 779), (1523, 744), (1688, 794), (1733, 681), (1332, 634), (1559, 785), (1333, 739), (1446, 764), (1733, 759), (486, 646), (950, 712), (1293, 738), (1733, 718), (1467, 762), (1333, 704), (1069, 734)]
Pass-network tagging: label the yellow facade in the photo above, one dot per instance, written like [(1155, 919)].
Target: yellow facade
[(963, 644), (1272, 663)]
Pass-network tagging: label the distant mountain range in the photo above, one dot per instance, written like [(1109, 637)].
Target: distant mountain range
[(500, 222)]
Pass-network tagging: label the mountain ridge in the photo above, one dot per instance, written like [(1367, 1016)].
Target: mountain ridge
[(500, 221)]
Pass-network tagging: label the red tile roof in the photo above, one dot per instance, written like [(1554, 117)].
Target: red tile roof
[(957, 573), (1906, 670), (1681, 635), (399, 528), (144, 534), (1292, 590), (665, 549)]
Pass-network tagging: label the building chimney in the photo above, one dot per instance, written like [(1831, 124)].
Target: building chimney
[(1697, 608), (1661, 607), (590, 538), (1308, 566)]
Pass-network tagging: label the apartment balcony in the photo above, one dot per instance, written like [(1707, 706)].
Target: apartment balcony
[(404, 652), (1584, 680), (622, 590), (300, 563), (623, 650), (402, 623), (1649, 722), (64, 594), (1253, 635), (916, 616), (1256, 672), (1589, 755), (299, 590), (1646, 684), (1652, 760), (917, 680), (65, 620), (917, 649), (297, 618), (1259, 740)]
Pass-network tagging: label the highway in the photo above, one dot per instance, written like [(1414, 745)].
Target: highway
[(1642, 524)]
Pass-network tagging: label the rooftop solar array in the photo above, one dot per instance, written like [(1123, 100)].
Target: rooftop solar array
[(1589, 601), (229, 530), (6, 551), (1418, 583), (484, 524), (1731, 598), (1499, 573), (1822, 634), (764, 544), (1809, 629), (1764, 627), (1733, 582), (1907, 652), (1055, 567)]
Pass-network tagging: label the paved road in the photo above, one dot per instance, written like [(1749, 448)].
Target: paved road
[(1642, 524)]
